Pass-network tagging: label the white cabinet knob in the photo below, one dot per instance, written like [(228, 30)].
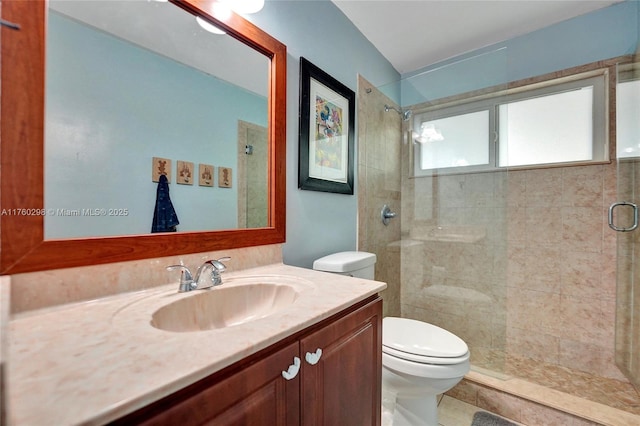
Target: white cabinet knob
[(293, 369), (313, 358)]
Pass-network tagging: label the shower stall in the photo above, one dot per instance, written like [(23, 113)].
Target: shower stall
[(519, 261)]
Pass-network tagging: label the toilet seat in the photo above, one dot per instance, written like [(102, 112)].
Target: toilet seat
[(420, 359), (422, 342)]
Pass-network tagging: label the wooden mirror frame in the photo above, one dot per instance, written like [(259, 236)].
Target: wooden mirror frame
[(22, 244)]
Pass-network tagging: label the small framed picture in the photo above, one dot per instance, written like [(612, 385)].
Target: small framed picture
[(205, 174), (185, 173), (224, 177), (160, 166)]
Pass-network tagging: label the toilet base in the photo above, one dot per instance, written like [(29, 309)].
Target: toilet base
[(421, 411)]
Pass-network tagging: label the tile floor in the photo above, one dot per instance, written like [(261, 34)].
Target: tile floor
[(453, 412), (610, 392)]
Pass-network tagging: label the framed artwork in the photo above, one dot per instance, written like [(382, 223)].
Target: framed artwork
[(160, 166), (205, 173), (326, 138), (185, 173), (224, 177)]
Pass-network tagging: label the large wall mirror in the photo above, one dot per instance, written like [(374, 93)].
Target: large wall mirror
[(124, 83)]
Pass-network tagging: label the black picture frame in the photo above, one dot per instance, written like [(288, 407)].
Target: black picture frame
[(326, 147)]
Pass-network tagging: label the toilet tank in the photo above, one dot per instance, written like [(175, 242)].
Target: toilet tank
[(357, 264)]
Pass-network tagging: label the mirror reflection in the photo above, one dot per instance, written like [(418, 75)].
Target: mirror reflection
[(128, 82)]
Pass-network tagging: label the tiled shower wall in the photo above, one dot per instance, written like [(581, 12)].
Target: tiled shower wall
[(532, 272), (524, 263), (379, 148), (561, 270)]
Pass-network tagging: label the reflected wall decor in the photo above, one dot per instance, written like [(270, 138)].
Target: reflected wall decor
[(326, 138)]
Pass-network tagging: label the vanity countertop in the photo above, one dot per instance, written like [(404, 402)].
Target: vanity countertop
[(95, 361)]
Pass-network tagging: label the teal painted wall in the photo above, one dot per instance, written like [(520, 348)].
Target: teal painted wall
[(320, 223)]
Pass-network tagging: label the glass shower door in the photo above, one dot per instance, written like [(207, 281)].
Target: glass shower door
[(623, 218)]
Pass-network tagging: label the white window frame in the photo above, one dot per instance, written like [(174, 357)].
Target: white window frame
[(599, 79), (626, 123)]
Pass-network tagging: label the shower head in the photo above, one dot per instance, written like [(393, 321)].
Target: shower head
[(406, 115)]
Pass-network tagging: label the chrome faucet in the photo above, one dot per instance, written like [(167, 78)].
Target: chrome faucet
[(188, 282)]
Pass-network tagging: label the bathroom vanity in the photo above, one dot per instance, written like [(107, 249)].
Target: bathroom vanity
[(336, 380), (316, 360)]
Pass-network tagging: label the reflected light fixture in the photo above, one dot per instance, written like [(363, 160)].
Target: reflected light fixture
[(223, 10), (208, 26), (428, 133)]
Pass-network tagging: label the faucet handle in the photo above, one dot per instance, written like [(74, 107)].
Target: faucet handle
[(186, 272), (218, 265), (186, 279)]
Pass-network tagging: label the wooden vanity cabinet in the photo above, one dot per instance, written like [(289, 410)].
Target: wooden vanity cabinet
[(344, 387), (341, 387)]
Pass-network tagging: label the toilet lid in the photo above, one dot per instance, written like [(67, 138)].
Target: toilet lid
[(421, 339)]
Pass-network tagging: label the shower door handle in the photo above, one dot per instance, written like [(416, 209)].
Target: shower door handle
[(635, 216)]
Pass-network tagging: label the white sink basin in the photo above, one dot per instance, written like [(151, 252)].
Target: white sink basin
[(223, 307)]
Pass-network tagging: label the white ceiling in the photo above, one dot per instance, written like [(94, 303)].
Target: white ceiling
[(413, 34)]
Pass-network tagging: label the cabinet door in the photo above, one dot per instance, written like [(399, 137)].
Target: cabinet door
[(341, 377), (257, 395)]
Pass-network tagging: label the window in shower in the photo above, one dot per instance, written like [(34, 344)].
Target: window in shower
[(627, 113), (555, 122), (562, 123), (467, 141)]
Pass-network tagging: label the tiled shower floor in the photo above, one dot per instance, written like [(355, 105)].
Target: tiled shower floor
[(611, 392)]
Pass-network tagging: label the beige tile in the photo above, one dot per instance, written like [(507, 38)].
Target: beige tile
[(543, 268), (543, 225), (450, 190), (610, 183), (533, 345), (516, 265), (516, 224), (582, 275), (596, 359), (536, 414), (453, 412), (533, 310), (582, 228), (479, 189), (500, 403), (582, 186), (465, 391), (516, 188), (585, 320), (544, 187)]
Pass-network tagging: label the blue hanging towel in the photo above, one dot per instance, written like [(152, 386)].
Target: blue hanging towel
[(164, 215)]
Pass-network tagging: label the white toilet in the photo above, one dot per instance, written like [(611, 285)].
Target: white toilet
[(358, 264), (419, 360)]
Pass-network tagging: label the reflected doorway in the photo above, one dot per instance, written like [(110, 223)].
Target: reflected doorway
[(252, 175)]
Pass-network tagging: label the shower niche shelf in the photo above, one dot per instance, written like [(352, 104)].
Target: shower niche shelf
[(450, 233)]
